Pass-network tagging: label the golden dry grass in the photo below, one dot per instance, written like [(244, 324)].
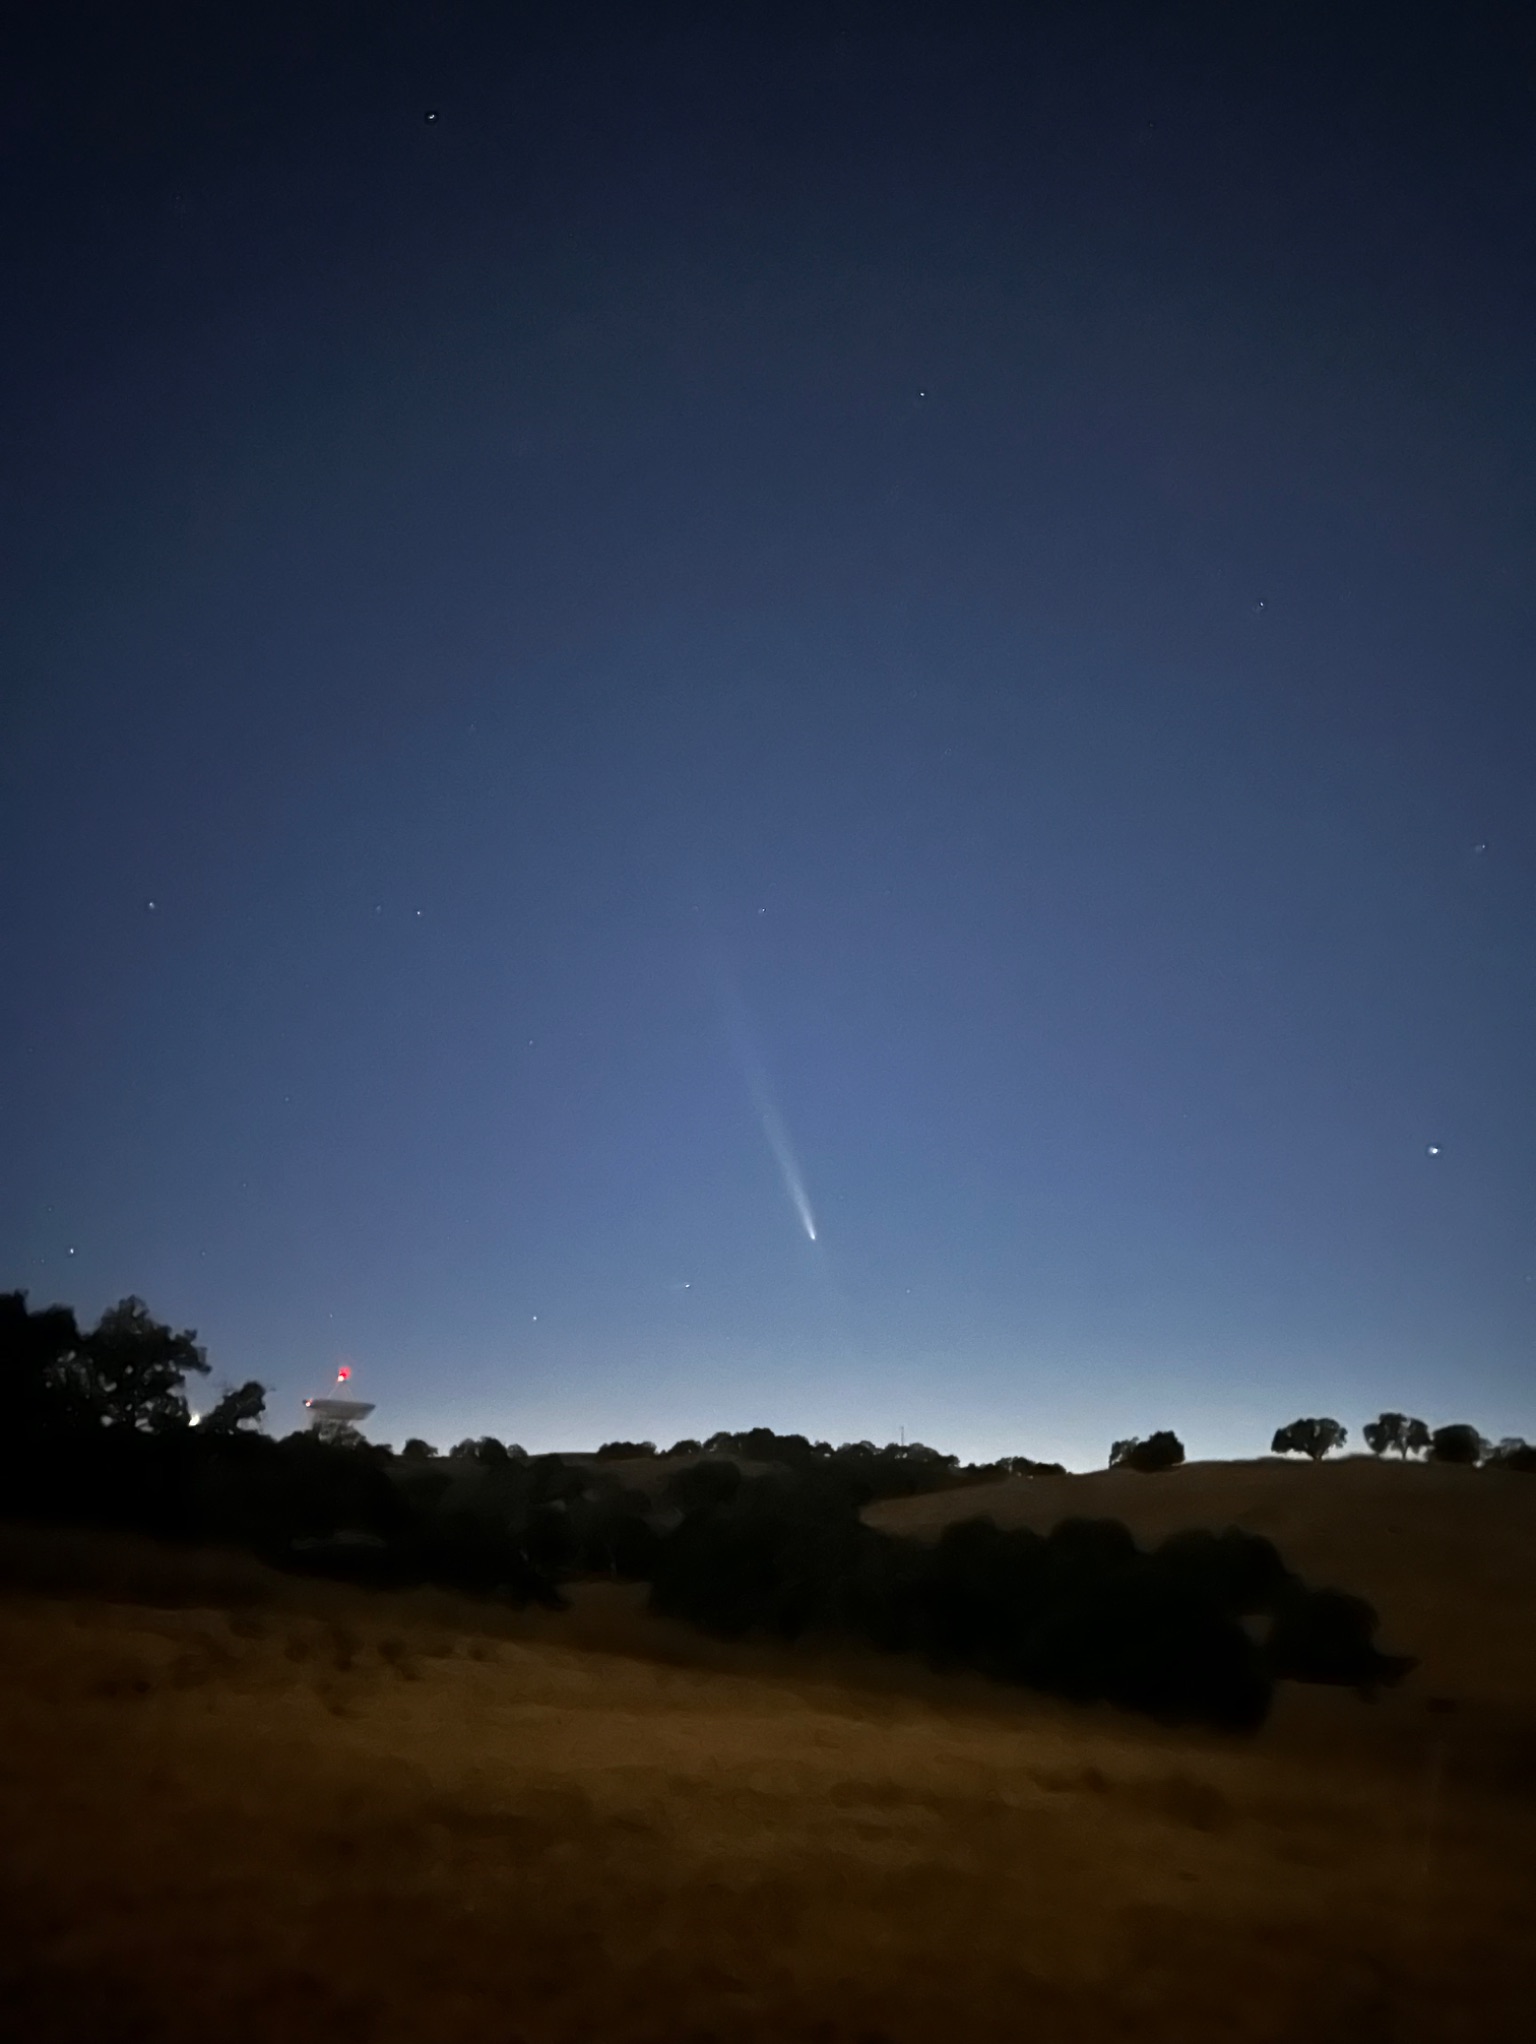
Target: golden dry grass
[(239, 1807)]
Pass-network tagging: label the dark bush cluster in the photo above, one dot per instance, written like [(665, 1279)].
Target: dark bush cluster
[(1197, 1629), (1159, 1451)]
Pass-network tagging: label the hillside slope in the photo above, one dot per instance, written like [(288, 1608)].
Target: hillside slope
[(1447, 1555), (326, 1815)]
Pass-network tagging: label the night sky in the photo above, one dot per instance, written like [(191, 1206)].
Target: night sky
[(630, 631)]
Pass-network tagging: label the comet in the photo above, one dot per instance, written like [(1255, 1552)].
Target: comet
[(789, 1170), (775, 1134)]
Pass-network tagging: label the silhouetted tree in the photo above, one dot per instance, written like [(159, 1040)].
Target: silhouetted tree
[(554, 1481), (243, 1407), (1386, 1431), (133, 1370), (337, 1433), (418, 1450), (549, 1539), (684, 1447), (1310, 1437), (625, 1451), (1158, 1451), (36, 1351), (703, 1484), (490, 1453), (1395, 1432), (1463, 1444), (1514, 1453), (613, 1533)]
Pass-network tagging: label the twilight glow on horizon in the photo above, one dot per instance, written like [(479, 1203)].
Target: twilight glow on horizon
[(820, 720)]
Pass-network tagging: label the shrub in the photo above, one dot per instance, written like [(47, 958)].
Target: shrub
[(703, 1484), (1158, 1451), (1327, 1636), (1241, 1573)]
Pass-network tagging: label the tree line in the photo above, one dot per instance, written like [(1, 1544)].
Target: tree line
[(756, 1531), (1396, 1433)]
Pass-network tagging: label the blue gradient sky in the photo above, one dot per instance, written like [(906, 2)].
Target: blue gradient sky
[(994, 557)]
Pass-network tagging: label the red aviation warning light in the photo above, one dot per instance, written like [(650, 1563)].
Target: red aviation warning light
[(343, 1374)]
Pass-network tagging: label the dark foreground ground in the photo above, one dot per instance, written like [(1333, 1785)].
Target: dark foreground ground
[(234, 1806)]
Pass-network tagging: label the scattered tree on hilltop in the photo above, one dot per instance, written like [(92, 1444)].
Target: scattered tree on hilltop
[(1396, 1432), (1311, 1437), (1008, 1465), (1513, 1452), (625, 1451), (1158, 1451), (1459, 1443), (485, 1449)]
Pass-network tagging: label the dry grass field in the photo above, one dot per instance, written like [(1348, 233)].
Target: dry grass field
[(239, 1807)]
